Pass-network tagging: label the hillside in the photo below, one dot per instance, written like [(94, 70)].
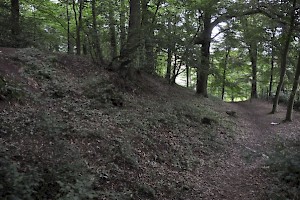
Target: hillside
[(72, 130)]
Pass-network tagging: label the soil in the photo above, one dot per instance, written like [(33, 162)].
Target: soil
[(242, 173)]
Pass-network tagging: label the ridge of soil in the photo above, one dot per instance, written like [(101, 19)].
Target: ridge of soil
[(139, 146)]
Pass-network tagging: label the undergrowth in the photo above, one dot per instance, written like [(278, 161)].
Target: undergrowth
[(285, 164)]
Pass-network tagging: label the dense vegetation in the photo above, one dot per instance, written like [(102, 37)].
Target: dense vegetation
[(235, 50)]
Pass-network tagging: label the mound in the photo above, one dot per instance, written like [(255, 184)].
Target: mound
[(77, 131)]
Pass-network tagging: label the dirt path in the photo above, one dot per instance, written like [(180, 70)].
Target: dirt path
[(243, 176)]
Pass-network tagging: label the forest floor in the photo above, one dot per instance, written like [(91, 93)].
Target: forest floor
[(72, 130)]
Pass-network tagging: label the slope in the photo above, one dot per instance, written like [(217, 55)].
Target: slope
[(72, 130)]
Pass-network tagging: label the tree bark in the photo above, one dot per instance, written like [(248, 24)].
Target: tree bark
[(15, 23), (253, 58), (169, 65), (224, 72), (148, 34), (188, 74), (288, 38), (203, 69), (112, 30), (78, 24), (96, 37), (128, 55), (68, 28), (122, 25), (293, 93), (272, 66)]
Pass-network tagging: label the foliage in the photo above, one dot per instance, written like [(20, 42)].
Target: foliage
[(9, 91), (16, 184), (285, 164)]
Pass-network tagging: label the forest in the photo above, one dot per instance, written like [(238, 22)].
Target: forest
[(231, 49), (123, 80)]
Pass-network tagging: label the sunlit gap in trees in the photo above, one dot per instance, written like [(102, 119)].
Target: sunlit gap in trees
[(181, 79)]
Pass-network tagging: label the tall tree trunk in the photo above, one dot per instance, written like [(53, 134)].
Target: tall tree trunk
[(148, 33), (112, 30), (122, 25), (288, 38), (78, 24), (173, 77), (253, 58), (169, 65), (129, 53), (224, 72), (272, 66), (96, 36), (293, 93), (15, 23), (188, 75), (203, 69), (68, 28)]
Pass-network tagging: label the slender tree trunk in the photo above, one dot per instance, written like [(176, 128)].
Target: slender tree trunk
[(112, 30), (15, 22), (203, 69), (96, 37), (272, 67), (224, 72), (78, 24), (122, 25), (288, 38), (188, 74), (293, 93), (169, 65), (173, 78), (68, 28), (253, 58)]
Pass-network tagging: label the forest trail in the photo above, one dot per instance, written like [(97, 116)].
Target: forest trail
[(244, 175)]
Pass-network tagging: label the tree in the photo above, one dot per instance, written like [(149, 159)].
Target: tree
[(96, 37), (293, 92), (78, 20), (213, 13), (128, 54), (15, 22), (287, 38)]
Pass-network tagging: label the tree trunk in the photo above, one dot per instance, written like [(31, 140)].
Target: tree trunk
[(293, 93), (188, 74), (68, 28), (15, 23), (253, 58), (224, 72), (112, 30), (96, 37), (148, 33), (122, 25), (203, 69), (129, 53), (173, 77), (288, 38), (169, 65), (78, 24), (272, 67)]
